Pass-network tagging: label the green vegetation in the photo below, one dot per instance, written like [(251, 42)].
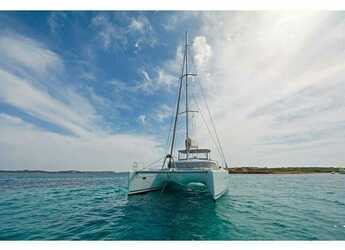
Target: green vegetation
[(282, 170)]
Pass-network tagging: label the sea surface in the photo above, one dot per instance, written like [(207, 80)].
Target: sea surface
[(94, 206)]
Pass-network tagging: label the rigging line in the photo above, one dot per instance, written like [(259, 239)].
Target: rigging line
[(171, 144), (208, 128), (152, 163), (176, 116), (210, 115), (212, 122)]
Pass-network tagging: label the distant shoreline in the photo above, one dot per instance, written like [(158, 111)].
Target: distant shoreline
[(234, 170), (283, 170), (61, 172)]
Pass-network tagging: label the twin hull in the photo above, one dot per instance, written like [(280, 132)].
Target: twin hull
[(150, 180)]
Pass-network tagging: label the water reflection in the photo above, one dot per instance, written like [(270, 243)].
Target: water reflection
[(178, 213)]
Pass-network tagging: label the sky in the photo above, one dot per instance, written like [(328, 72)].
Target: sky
[(97, 90)]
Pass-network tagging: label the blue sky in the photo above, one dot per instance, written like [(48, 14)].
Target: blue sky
[(100, 50), (95, 90)]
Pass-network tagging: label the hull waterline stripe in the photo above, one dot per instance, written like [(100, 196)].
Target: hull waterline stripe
[(138, 191)]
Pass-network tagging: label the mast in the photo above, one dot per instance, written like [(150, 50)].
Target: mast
[(187, 141), (184, 73), (177, 113)]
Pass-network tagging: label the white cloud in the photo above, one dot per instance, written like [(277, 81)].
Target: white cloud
[(142, 119), (270, 64), (165, 78), (143, 32), (171, 23), (162, 78), (23, 146), (90, 146), (179, 20), (138, 24), (162, 113), (10, 120), (159, 79), (147, 83), (202, 52), (28, 53), (108, 33), (116, 34), (23, 95)]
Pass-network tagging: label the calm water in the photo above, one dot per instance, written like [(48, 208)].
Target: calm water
[(95, 206)]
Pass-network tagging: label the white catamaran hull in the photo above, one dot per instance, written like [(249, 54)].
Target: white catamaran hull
[(150, 180)]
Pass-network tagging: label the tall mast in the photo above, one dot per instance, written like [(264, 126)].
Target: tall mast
[(177, 111), (184, 73), (187, 142)]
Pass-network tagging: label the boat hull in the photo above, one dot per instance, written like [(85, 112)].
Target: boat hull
[(151, 180)]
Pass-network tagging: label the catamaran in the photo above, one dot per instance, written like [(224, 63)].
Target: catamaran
[(192, 164)]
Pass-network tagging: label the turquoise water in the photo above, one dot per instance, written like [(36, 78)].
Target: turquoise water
[(84, 206)]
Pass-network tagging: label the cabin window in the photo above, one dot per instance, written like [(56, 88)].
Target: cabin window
[(182, 156), (194, 155), (203, 156)]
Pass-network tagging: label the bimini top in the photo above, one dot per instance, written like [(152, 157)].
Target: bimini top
[(195, 151)]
